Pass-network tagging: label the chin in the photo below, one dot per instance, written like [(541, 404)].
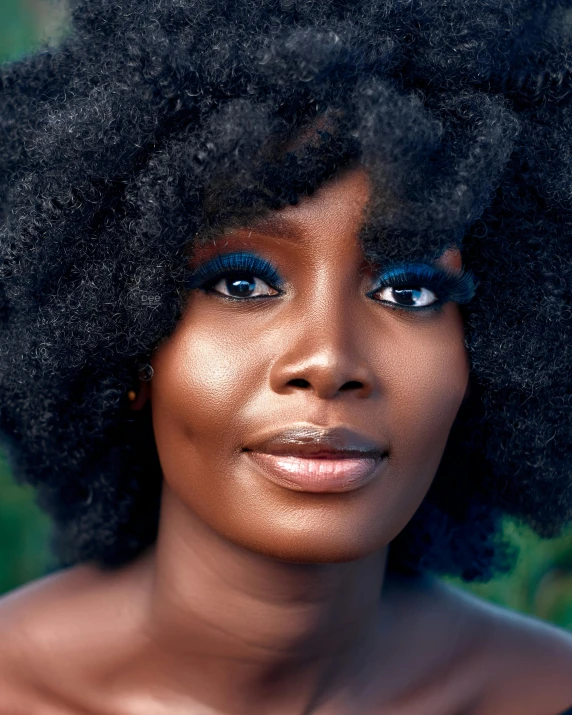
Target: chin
[(313, 549)]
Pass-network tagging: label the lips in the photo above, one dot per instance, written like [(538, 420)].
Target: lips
[(310, 440), (314, 459)]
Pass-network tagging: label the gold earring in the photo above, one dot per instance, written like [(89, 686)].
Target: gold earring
[(145, 373)]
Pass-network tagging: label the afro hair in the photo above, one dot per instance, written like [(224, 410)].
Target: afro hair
[(156, 123)]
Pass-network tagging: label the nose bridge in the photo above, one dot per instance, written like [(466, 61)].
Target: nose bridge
[(325, 350), (331, 312)]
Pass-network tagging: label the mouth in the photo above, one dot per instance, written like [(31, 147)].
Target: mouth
[(312, 459), (318, 474)]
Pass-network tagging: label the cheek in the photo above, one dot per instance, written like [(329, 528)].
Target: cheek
[(203, 376), (429, 376), (201, 379)]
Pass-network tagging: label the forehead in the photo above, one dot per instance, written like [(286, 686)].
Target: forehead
[(341, 207), (340, 203), (337, 207)]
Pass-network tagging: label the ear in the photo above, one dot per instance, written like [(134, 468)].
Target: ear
[(143, 394)]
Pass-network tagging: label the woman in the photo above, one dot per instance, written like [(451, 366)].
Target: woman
[(285, 332)]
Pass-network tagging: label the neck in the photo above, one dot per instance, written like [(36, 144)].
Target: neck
[(239, 631)]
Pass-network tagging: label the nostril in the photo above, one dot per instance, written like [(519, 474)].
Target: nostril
[(351, 385), (299, 382)]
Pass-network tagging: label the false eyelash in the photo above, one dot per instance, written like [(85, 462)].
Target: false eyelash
[(239, 262), (447, 284)]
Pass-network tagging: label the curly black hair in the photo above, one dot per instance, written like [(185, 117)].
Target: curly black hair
[(156, 123)]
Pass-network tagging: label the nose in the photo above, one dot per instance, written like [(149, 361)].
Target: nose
[(325, 353)]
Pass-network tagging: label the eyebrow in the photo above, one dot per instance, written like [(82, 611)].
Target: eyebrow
[(273, 224)]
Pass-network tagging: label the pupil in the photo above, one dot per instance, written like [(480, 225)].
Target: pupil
[(407, 294), (240, 285)]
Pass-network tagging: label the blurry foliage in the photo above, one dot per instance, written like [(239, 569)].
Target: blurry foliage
[(25, 23), (540, 585), (541, 582), (24, 532)]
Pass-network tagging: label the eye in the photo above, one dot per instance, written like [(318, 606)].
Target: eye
[(239, 276), (242, 285), (418, 287), (408, 296)]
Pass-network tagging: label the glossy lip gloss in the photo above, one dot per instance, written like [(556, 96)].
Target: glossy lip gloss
[(318, 473)]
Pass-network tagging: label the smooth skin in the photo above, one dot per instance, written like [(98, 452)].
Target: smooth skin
[(259, 598)]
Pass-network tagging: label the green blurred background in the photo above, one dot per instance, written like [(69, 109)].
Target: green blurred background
[(541, 583)]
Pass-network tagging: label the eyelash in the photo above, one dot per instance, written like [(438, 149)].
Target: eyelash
[(227, 263), (445, 284)]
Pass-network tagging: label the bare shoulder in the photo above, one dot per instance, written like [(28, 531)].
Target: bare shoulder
[(524, 662), (31, 615), (24, 624), (53, 630), (36, 620)]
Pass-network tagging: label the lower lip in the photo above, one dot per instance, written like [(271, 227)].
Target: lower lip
[(318, 475)]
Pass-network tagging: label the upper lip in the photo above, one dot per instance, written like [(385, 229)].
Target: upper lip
[(311, 439)]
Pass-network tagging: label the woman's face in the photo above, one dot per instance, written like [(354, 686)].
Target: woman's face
[(279, 356)]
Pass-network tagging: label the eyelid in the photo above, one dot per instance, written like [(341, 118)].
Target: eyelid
[(448, 284), (235, 262)]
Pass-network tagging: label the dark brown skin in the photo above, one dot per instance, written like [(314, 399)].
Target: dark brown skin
[(259, 598)]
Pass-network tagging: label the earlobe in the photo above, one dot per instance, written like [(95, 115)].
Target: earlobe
[(139, 398)]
